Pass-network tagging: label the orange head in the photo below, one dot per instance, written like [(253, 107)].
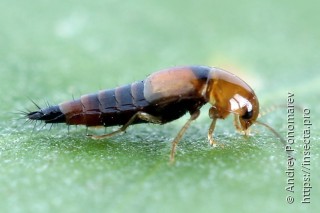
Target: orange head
[(229, 94)]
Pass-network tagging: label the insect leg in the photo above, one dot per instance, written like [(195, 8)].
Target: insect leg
[(181, 132), (141, 115), (214, 114), (210, 132), (236, 123)]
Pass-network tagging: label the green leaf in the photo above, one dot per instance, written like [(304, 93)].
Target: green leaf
[(51, 51)]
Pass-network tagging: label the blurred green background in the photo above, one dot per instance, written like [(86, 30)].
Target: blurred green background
[(53, 50)]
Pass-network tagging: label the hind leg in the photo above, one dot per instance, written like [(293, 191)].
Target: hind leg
[(139, 115)]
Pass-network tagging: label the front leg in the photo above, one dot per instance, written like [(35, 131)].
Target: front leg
[(210, 133), (214, 114)]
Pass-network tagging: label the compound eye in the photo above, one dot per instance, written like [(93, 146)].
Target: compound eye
[(247, 115)]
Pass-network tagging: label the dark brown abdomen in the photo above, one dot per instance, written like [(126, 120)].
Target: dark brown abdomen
[(167, 94), (107, 107)]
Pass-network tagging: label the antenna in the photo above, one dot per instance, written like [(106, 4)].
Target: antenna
[(273, 131)]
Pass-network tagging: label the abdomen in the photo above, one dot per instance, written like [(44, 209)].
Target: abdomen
[(167, 94), (107, 107)]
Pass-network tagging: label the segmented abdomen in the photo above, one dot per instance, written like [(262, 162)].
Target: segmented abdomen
[(167, 94), (107, 107)]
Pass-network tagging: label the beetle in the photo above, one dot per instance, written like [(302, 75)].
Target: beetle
[(162, 97)]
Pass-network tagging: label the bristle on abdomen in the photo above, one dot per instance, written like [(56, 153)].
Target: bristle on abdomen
[(51, 114)]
